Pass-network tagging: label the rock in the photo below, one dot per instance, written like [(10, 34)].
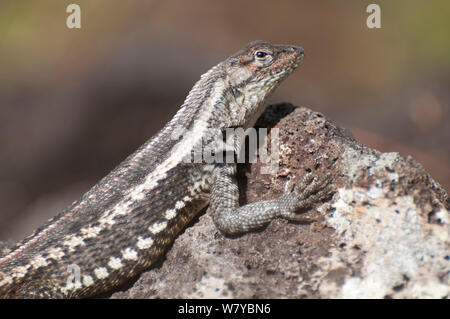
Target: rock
[(383, 233)]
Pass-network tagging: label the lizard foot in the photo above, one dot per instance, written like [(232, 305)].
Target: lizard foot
[(310, 190)]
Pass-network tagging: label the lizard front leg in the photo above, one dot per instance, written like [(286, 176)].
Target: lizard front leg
[(229, 218)]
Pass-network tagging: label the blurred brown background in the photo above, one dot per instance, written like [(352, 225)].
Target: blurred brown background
[(75, 103)]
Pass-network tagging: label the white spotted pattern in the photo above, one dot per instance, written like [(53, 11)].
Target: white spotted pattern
[(157, 227), (101, 272), (91, 232), (76, 284), (20, 271), (115, 263), (5, 279), (144, 243), (38, 261), (73, 241), (170, 213), (55, 253), (129, 254), (180, 204), (88, 280)]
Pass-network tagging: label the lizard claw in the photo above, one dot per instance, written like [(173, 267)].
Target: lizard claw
[(310, 190)]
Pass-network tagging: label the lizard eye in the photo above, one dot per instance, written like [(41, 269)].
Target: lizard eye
[(260, 54)]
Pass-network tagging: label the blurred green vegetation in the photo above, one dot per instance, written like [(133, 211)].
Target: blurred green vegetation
[(414, 33)]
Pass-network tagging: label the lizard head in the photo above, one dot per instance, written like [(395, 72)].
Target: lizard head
[(254, 72)]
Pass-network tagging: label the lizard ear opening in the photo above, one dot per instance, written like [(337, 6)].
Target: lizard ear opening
[(237, 94)]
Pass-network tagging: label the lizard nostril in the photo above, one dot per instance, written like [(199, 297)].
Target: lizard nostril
[(300, 49), (295, 48)]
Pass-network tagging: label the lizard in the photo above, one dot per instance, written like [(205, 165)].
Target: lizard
[(125, 223)]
